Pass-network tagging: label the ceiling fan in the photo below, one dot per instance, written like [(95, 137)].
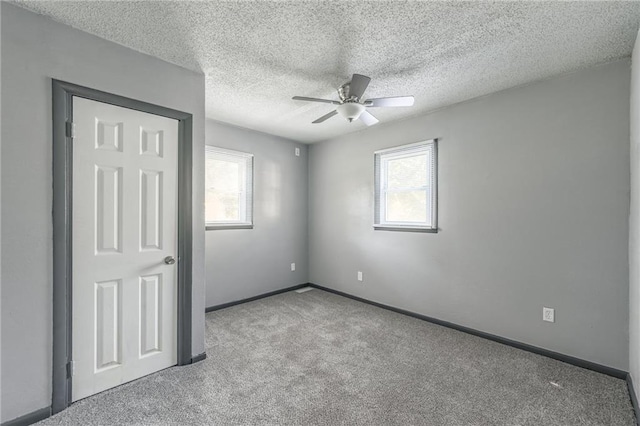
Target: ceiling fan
[(350, 106)]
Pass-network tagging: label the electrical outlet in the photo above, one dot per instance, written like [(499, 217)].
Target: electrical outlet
[(293, 266), (297, 151), (548, 314), (359, 275)]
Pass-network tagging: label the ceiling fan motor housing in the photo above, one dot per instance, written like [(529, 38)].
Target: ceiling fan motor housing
[(344, 93)]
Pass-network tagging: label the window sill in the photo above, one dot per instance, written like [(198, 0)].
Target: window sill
[(230, 226), (405, 228)]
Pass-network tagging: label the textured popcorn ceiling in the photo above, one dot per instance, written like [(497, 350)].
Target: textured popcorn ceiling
[(256, 55)]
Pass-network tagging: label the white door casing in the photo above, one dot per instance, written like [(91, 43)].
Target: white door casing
[(124, 295)]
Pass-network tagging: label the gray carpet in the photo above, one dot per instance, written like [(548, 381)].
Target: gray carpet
[(321, 359)]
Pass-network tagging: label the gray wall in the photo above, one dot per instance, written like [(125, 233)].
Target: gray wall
[(34, 50), (533, 192), (242, 263), (634, 222)]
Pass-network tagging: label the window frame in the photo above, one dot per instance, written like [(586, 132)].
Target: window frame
[(246, 203), (381, 159)]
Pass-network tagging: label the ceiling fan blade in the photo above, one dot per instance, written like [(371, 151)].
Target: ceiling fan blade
[(394, 101), (358, 85), (325, 117), (325, 101), (368, 119)]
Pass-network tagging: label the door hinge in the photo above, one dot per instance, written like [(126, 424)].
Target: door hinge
[(71, 368), (71, 129)]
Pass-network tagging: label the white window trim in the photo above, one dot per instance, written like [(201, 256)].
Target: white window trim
[(385, 155), (247, 202)]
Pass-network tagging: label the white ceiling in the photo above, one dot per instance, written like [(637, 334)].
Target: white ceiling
[(256, 55)]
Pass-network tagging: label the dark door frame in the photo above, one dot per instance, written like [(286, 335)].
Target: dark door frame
[(63, 94)]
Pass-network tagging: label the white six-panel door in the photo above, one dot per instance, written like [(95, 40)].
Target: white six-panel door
[(124, 319)]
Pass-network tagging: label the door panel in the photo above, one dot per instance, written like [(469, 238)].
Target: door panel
[(108, 195), (150, 210), (124, 319), (108, 331), (150, 314)]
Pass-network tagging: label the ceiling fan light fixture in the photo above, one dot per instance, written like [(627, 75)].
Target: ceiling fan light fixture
[(350, 110)]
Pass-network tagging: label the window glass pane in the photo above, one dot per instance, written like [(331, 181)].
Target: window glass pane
[(225, 175), (406, 206), (223, 190), (407, 172), (222, 206)]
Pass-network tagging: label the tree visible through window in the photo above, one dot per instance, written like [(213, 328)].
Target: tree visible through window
[(406, 189), (228, 188)]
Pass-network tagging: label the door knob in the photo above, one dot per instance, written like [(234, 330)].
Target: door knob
[(169, 260)]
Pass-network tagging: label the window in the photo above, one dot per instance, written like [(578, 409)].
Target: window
[(228, 189), (406, 187)]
